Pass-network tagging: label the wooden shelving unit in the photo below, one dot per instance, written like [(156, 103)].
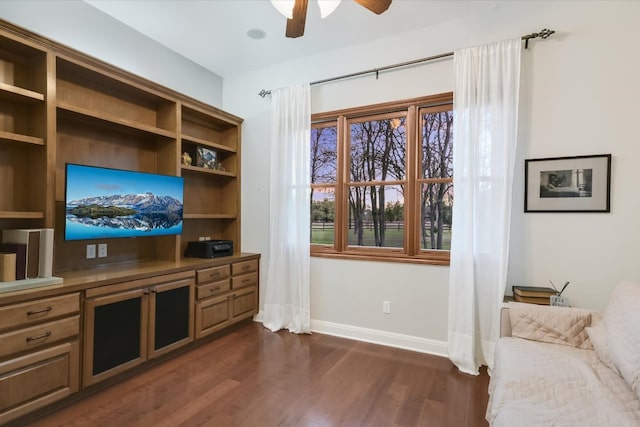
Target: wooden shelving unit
[(58, 106), (213, 194), (23, 133)]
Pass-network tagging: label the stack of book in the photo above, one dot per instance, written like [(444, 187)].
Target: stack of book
[(533, 294), (32, 251)]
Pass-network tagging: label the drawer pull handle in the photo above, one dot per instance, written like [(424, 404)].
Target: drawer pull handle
[(39, 337), (245, 267), (246, 280), (214, 289), (212, 275), (44, 310)]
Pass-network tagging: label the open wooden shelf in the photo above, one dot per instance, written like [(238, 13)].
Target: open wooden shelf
[(72, 111), (206, 143), (198, 169), (209, 216), (17, 94), (21, 215), (17, 138), (211, 130)]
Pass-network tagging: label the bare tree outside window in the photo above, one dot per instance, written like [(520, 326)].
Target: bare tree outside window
[(324, 146), (377, 155), (382, 181), (437, 180)]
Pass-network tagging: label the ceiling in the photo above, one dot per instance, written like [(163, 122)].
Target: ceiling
[(213, 33)]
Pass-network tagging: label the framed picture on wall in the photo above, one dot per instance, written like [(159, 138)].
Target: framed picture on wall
[(568, 184)]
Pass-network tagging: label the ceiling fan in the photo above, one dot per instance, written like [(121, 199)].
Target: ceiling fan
[(297, 16)]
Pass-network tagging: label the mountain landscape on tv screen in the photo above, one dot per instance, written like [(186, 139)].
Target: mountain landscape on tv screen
[(141, 212)]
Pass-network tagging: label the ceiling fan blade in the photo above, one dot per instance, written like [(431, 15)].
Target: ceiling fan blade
[(375, 6), (295, 25)]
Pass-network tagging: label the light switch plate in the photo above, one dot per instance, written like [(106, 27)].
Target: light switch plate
[(91, 251), (102, 250)]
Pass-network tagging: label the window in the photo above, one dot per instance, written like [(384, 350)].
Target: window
[(382, 181)]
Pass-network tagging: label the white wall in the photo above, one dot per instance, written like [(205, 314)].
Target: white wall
[(81, 26), (579, 96)]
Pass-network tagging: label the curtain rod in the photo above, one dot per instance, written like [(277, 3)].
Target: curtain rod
[(543, 34)]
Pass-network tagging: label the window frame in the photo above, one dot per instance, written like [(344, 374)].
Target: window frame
[(411, 252)]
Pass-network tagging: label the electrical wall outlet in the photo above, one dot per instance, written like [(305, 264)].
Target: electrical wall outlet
[(91, 251), (102, 250), (386, 307)]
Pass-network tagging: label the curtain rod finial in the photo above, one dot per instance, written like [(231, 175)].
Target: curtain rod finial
[(264, 93), (544, 33)]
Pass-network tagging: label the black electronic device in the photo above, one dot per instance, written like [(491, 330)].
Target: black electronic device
[(209, 249)]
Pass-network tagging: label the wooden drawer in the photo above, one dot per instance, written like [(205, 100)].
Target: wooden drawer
[(212, 274), (211, 289), (244, 267), (39, 335), (38, 379), (35, 311), (243, 304), (250, 279), (212, 315)]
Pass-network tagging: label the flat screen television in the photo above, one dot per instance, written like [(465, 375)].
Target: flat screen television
[(102, 203)]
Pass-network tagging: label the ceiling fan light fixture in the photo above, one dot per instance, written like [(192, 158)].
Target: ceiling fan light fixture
[(285, 7), (297, 19), (327, 7)]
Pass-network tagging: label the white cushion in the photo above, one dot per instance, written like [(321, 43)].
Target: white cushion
[(622, 318), (598, 338), (555, 325)]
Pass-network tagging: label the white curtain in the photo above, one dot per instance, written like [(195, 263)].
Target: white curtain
[(486, 86), (287, 299)]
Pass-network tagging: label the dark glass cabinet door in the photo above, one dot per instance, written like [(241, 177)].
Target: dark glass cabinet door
[(124, 329), (171, 316), (115, 334)]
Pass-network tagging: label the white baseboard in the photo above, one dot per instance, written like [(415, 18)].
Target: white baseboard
[(374, 336)]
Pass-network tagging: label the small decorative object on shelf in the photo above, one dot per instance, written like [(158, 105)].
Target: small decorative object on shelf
[(558, 300), (186, 159), (7, 267), (206, 158), (220, 167)]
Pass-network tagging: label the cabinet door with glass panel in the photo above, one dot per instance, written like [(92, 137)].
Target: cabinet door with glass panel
[(128, 323)]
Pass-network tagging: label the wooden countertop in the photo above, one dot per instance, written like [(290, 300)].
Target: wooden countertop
[(75, 281)]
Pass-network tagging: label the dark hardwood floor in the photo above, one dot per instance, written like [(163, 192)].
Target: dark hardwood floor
[(253, 377)]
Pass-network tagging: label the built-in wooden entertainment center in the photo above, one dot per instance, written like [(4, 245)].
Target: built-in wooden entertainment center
[(145, 299)]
